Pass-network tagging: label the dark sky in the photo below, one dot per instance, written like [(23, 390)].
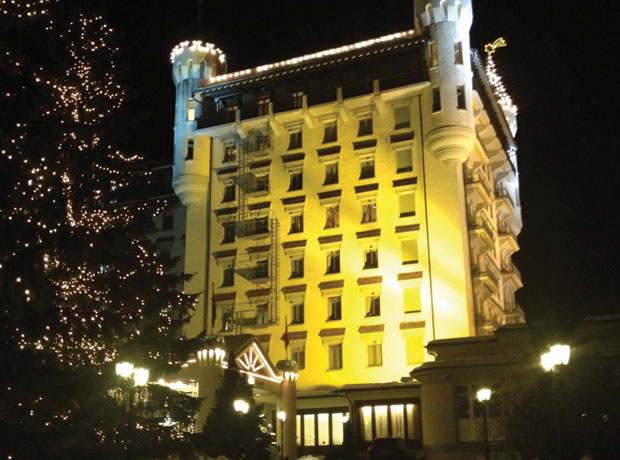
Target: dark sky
[(561, 67)]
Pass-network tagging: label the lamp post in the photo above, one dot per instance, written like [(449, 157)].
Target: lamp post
[(140, 377), (558, 355), (282, 418), (483, 395)]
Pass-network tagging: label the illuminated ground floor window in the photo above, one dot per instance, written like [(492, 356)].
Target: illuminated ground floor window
[(321, 428), (391, 419)]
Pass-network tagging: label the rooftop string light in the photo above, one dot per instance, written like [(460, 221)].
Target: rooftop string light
[(199, 46), (308, 57), (503, 98)]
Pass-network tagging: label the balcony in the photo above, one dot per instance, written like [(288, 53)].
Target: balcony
[(487, 273), (259, 146), (254, 185), (217, 118), (480, 226), (505, 235), (505, 205), (250, 319), (252, 228), (257, 274), (510, 274), (475, 183)]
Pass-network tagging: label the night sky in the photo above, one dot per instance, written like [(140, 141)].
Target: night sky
[(560, 66)]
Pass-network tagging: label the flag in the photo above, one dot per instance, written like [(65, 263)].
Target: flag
[(285, 336)]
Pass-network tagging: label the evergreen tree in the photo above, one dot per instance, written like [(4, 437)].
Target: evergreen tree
[(81, 287), (233, 434)]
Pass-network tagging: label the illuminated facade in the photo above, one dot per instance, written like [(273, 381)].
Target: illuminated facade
[(364, 199)]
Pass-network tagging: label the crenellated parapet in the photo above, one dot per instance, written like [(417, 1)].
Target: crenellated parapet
[(437, 11), (196, 60)]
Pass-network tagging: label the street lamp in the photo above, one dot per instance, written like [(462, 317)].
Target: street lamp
[(557, 354), (126, 370), (483, 395), (241, 406)]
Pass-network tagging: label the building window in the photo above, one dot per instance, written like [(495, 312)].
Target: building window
[(404, 421), (406, 204), (371, 259), (297, 181), (369, 212), (365, 128), (263, 106), (460, 97), (432, 54), (261, 184), (189, 150), (230, 154), (298, 99), (375, 355), (332, 216), (335, 356), (409, 251), (415, 349), (167, 222), (404, 162), (331, 132), (261, 270), (229, 193), (297, 268), (229, 232), (299, 356), (297, 223), (328, 427), (458, 52), (373, 306), (295, 140), (401, 117), (412, 301), (297, 313), (191, 110), (227, 320), (436, 100), (331, 173), (228, 276), (367, 168), (334, 310), (333, 262), (469, 413), (262, 314)]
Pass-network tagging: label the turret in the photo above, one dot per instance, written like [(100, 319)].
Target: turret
[(450, 134), (192, 65)]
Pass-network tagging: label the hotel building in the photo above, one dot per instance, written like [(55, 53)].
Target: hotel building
[(343, 209)]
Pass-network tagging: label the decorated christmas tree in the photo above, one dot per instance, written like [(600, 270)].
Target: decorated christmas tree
[(81, 287), (236, 430)]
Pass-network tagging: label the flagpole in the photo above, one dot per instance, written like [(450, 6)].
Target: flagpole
[(286, 336)]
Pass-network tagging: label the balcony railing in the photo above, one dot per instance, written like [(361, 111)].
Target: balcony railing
[(252, 227), (253, 184), (259, 144), (502, 192), (218, 118), (254, 273), (482, 223)]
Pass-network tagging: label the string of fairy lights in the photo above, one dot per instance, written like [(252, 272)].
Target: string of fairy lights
[(84, 96), (503, 98)]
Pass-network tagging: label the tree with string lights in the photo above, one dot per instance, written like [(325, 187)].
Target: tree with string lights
[(81, 288)]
